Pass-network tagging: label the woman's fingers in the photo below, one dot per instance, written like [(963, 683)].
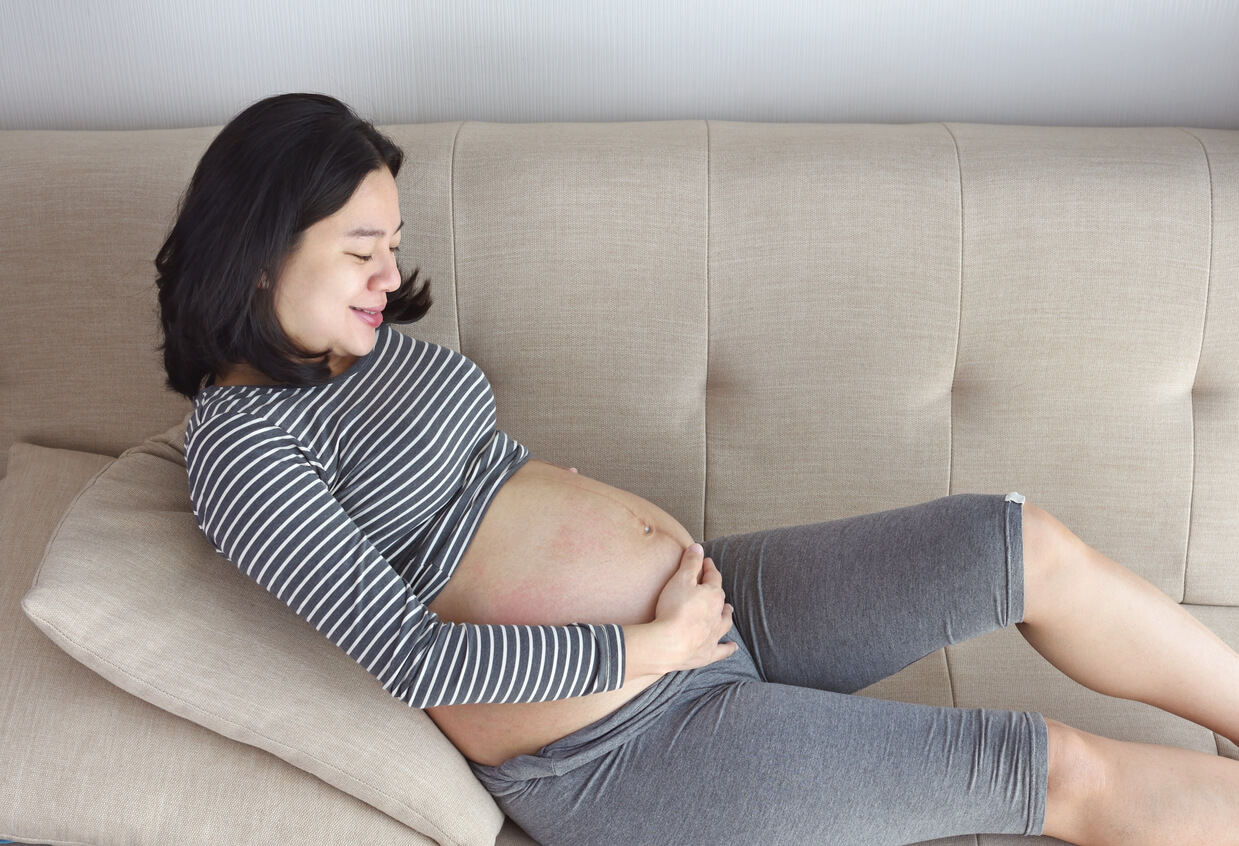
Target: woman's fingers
[(702, 569), (692, 604), (691, 563), (710, 574)]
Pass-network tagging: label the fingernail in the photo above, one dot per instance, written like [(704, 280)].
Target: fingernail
[(696, 549)]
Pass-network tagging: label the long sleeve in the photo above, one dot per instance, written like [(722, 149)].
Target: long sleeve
[(263, 503)]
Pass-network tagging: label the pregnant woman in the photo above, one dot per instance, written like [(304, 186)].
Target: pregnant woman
[(608, 683)]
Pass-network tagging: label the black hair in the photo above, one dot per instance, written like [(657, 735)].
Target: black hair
[(274, 170)]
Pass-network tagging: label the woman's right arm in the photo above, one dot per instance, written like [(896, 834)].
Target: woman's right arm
[(264, 506)]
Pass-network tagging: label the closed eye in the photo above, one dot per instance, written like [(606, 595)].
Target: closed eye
[(367, 258)]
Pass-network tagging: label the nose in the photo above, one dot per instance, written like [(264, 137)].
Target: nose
[(387, 277)]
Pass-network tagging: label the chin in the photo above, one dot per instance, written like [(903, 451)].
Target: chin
[(359, 342)]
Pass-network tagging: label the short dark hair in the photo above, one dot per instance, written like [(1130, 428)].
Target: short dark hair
[(274, 170)]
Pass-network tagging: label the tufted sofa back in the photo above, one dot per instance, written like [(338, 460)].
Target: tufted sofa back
[(750, 324), (760, 325)]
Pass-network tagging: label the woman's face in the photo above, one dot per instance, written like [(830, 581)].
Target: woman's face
[(334, 285)]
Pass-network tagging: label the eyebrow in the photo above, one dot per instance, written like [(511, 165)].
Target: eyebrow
[(363, 232)]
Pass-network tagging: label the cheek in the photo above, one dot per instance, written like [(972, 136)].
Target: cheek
[(305, 298), (307, 320)]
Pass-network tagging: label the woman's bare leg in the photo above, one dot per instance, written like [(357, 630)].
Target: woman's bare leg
[(1111, 793), (1112, 631)]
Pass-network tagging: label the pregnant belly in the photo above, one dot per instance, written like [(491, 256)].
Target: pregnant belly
[(555, 548)]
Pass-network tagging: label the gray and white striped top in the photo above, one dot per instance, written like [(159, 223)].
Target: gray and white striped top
[(353, 502)]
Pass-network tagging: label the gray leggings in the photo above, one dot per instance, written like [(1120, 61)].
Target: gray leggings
[(769, 746)]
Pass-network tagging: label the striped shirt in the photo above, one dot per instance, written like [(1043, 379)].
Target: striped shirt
[(354, 501)]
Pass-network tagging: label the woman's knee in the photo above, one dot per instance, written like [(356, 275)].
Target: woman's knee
[(1078, 779), (1051, 553)]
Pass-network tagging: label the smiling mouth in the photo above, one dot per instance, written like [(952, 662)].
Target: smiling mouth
[(371, 317)]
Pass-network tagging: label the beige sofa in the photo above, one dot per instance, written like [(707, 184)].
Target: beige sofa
[(752, 325)]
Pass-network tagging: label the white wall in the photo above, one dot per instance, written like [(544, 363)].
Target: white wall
[(121, 64)]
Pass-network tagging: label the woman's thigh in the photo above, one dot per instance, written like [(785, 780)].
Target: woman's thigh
[(842, 604), (754, 762)]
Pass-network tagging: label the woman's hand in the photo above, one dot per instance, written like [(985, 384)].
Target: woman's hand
[(690, 617)]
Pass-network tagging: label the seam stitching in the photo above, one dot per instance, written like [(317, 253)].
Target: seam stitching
[(959, 317), (950, 676), (451, 194), (55, 535), (705, 401), (1204, 322)]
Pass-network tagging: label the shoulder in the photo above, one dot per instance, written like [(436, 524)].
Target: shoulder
[(228, 454), (218, 433), (399, 355), (391, 343)]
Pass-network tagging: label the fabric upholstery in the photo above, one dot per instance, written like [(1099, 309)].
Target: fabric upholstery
[(587, 307), (85, 762), (1212, 576), (834, 291), (751, 325), (82, 216)]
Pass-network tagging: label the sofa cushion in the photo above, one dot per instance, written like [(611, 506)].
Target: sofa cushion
[(130, 587), (85, 762)]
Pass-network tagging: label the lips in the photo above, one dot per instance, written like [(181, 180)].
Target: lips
[(371, 317)]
